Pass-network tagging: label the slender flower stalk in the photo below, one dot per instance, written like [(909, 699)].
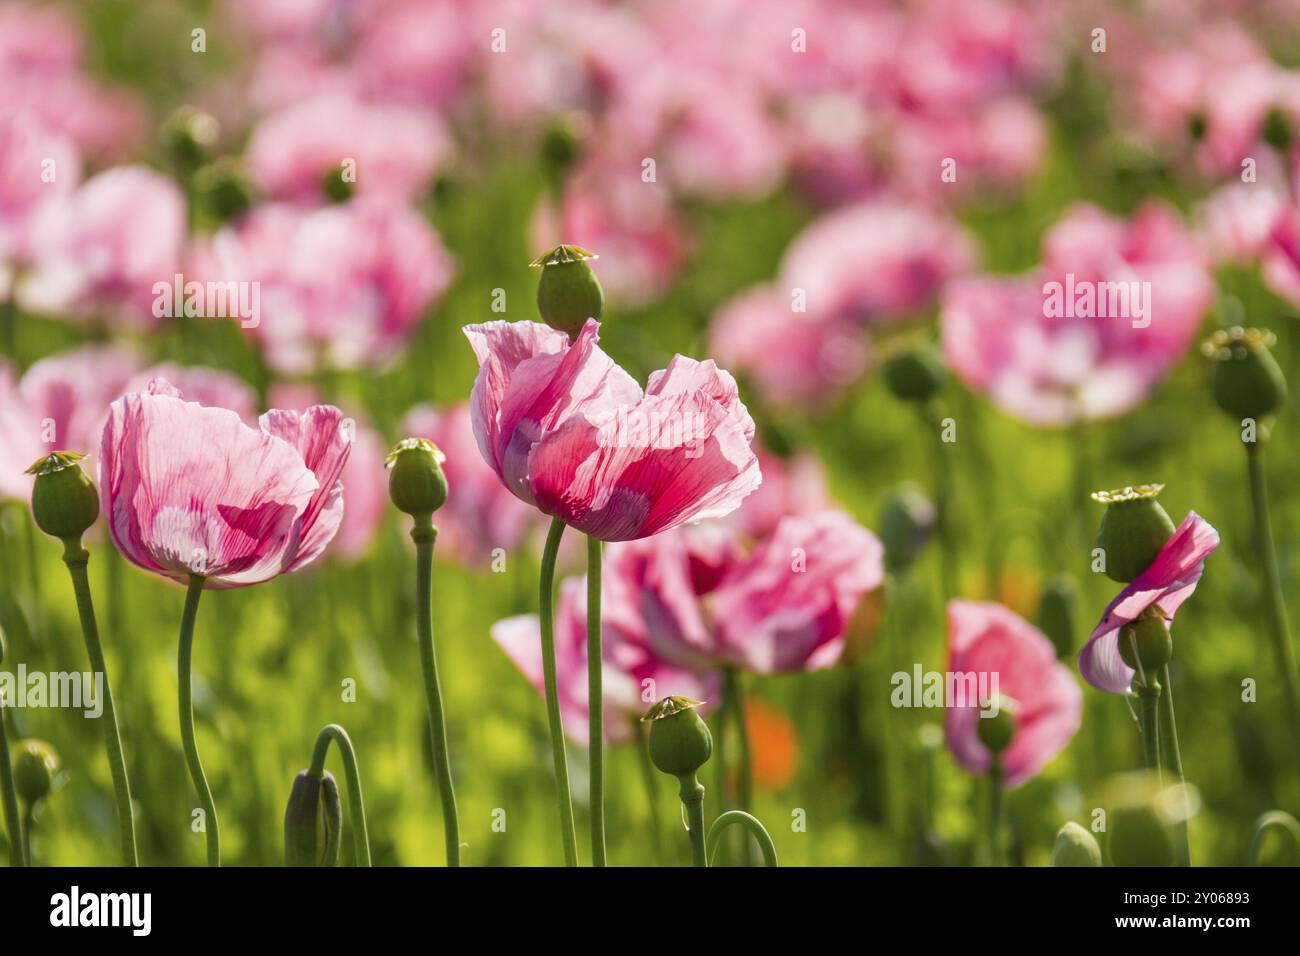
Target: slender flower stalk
[(9, 796), (692, 796), (1278, 820), (1173, 757), (648, 780), (995, 812), (595, 710), (335, 733), (183, 669), (546, 611), (734, 693)]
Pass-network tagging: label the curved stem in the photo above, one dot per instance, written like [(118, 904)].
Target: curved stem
[(76, 558), (595, 705), (424, 534), (183, 669), (356, 802), (1274, 818), (995, 812), (1278, 629), (13, 824), (546, 608), (750, 823), (1172, 755), (692, 796)]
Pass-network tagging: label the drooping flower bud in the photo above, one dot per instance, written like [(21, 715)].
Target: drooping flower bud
[(1075, 846), (569, 293), (914, 374), (189, 136), (1245, 379), (35, 765), (906, 523), (64, 499), (313, 821), (1056, 613), (1145, 644), (1133, 530), (680, 742), (416, 482), (996, 729)]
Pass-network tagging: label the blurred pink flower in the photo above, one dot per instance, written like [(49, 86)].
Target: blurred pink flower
[(999, 337), (480, 515), (793, 485), (988, 639), (26, 147), (396, 151), (567, 430), (1164, 586), (98, 251), (20, 438), (69, 394), (210, 387), (193, 490)]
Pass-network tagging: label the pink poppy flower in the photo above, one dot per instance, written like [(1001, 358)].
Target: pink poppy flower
[(70, 392), (988, 639), (211, 387), (480, 514), (569, 431), (20, 431), (99, 251), (26, 145), (633, 675), (794, 485), (1164, 586), (193, 490)]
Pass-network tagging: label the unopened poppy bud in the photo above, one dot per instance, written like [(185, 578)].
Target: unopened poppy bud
[(562, 144), (416, 482), (1245, 379), (1075, 846), (914, 375), (1133, 530), (680, 742), (906, 523), (336, 186), (189, 136), (996, 728), (1147, 641), (1277, 130), (313, 821), (1056, 613), (569, 293), (223, 190), (64, 499), (35, 765)]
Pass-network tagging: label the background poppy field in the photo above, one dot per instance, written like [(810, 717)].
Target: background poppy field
[(794, 145)]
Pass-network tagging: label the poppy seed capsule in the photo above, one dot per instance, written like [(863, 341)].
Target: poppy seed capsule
[(568, 293), (313, 821), (997, 730), (1245, 379), (1075, 846), (1133, 530), (35, 764), (1154, 646), (680, 742), (915, 375), (416, 483), (906, 523), (1056, 613), (64, 499)]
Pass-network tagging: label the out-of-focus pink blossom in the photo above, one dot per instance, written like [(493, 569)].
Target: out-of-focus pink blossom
[(794, 485), (37, 166), (988, 640), (20, 438), (192, 490), (395, 150), (211, 387), (480, 514), (567, 430), (1162, 587), (69, 393), (99, 251)]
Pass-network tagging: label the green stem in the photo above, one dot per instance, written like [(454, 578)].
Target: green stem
[(1149, 702), (751, 823), (1172, 755), (595, 705), (76, 558), (648, 780), (424, 534), (692, 796), (183, 669), (734, 694), (1276, 605), (355, 800), (13, 825), (995, 812), (1273, 819), (933, 414), (546, 607), (29, 821)]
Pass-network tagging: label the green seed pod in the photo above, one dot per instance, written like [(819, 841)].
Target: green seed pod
[(1154, 645), (1056, 613), (998, 730), (35, 765), (416, 483), (680, 742), (189, 136), (1245, 379), (915, 375), (222, 190), (313, 821), (569, 293), (64, 500), (1133, 530), (1075, 846), (906, 523)]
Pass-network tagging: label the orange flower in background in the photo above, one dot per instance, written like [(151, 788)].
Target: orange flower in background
[(774, 745)]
